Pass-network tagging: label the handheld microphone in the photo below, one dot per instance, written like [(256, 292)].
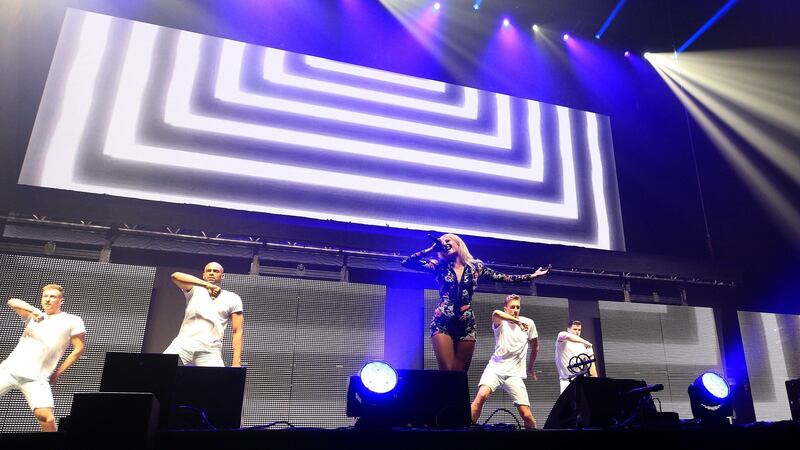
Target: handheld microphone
[(438, 244)]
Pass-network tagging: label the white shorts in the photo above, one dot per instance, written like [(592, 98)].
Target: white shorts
[(511, 384), (195, 357), (36, 392)]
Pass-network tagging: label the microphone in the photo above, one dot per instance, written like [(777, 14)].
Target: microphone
[(646, 390), (438, 244)]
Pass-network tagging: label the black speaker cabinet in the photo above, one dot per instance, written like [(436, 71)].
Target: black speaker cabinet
[(113, 420), (793, 391), (594, 402), (142, 372), (421, 398), (190, 397), (217, 392)]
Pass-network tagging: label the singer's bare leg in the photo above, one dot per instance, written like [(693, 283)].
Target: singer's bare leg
[(444, 351), (464, 351), (450, 356)]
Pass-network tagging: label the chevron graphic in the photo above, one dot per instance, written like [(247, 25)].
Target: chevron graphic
[(143, 111)]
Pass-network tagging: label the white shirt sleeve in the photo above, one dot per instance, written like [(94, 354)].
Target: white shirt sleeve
[(188, 294), (532, 332), (77, 327), (236, 304)]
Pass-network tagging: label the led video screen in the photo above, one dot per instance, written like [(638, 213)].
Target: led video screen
[(660, 344), (772, 353), (137, 110), (112, 299)]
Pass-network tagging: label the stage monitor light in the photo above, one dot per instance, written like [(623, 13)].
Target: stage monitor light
[(422, 398), (715, 385), (710, 398), (379, 377)]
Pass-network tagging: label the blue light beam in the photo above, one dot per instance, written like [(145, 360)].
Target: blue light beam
[(707, 25), (610, 19)]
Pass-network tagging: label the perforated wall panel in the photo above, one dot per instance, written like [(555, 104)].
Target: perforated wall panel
[(112, 300)]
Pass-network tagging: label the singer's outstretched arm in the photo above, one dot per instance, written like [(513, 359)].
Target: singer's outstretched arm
[(417, 261)]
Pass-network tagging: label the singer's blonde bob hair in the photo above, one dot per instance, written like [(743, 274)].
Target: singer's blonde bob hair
[(463, 251)]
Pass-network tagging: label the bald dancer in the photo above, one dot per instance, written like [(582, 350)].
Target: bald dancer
[(209, 309)]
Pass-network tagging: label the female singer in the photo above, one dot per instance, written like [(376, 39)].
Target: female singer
[(453, 330)]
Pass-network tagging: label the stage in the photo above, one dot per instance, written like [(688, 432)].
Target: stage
[(683, 437), (627, 199)]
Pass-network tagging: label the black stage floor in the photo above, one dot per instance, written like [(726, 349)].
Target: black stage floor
[(754, 437)]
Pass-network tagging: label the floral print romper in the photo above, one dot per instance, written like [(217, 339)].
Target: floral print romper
[(453, 315)]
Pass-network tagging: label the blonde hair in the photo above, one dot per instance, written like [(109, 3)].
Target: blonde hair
[(57, 287), (511, 298), (463, 251)]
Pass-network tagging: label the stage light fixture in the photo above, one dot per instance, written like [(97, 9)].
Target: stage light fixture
[(437, 6), (379, 377), (610, 19), (420, 398), (566, 37), (627, 53), (506, 22), (724, 10), (476, 6), (535, 27), (710, 399)]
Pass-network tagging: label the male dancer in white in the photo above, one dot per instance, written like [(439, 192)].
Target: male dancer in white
[(507, 368), (30, 366), (209, 308), (570, 344)]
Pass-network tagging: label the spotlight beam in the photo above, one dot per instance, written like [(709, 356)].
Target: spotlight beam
[(708, 24), (758, 81), (610, 19), (780, 155), (783, 211)]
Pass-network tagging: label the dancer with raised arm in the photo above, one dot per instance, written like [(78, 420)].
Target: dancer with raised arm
[(568, 345), (209, 309), (31, 366), (513, 335)]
